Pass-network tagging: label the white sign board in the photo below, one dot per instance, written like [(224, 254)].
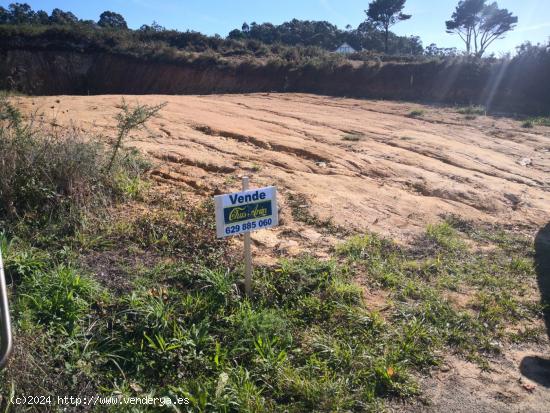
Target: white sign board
[(246, 211)]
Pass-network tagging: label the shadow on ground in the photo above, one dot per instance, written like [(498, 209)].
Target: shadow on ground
[(534, 367)]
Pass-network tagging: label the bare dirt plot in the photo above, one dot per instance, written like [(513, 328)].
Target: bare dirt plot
[(364, 164)]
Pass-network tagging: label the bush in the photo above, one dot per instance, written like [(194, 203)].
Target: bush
[(472, 110), (540, 121), (54, 177), (416, 114)]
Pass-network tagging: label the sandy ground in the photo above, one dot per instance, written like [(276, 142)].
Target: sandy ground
[(401, 173), (364, 164), (462, 387)]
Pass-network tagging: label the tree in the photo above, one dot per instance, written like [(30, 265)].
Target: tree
[(153, 28), (479, 24), (112, 20), (4, 16), (59, 16), (41, 17), (328, 36), (433, 50), (464, 20), (89, 23), (369, 37), (21, 13), (386, 13), (236, 34)]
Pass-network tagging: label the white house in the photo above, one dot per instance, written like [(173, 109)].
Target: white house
[(345, 49)]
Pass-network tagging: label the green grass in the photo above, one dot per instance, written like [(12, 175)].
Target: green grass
[(416, 114), (539, 121), (472, 110), (300, 207), (444, 236), (57, 298), (52, 179), (152, 304), (306, 341), (421, 277)]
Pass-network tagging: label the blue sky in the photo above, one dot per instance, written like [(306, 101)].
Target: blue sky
[(219, 16)]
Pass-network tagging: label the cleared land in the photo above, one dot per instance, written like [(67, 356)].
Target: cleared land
[(466, 291), (368, 165)]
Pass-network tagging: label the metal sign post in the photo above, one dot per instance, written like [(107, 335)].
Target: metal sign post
[(244, 212), (5, 328)]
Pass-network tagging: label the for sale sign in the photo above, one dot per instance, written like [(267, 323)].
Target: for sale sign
[(246, 211)]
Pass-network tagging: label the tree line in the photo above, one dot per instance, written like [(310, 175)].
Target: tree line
[(22, 13), (477, 22), (328, 36)]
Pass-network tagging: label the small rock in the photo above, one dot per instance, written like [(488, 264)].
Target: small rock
[(445, 368), (136, 387), (321, 164), (525, 162), (529, 387)]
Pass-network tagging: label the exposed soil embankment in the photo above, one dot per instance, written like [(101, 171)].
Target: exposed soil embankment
[(50, 73), (507, 86)]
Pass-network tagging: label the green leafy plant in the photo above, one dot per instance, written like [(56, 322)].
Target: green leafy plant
[(472, 111), (56, 177), (131, 118), (416, 114), (58, 298)]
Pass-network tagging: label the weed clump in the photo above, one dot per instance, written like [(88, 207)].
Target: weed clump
[(47, 176), (540, 121), (59, 298), (445, 236), (416, 114), (130, 119), (472, 111), (301, 212), (353, 137)]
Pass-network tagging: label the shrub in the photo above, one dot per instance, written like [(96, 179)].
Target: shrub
[(49, 176), (416, 114), (472, 110), (540, 121), (130, 119)]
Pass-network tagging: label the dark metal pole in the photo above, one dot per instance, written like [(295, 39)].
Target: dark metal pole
[(6, 344)]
